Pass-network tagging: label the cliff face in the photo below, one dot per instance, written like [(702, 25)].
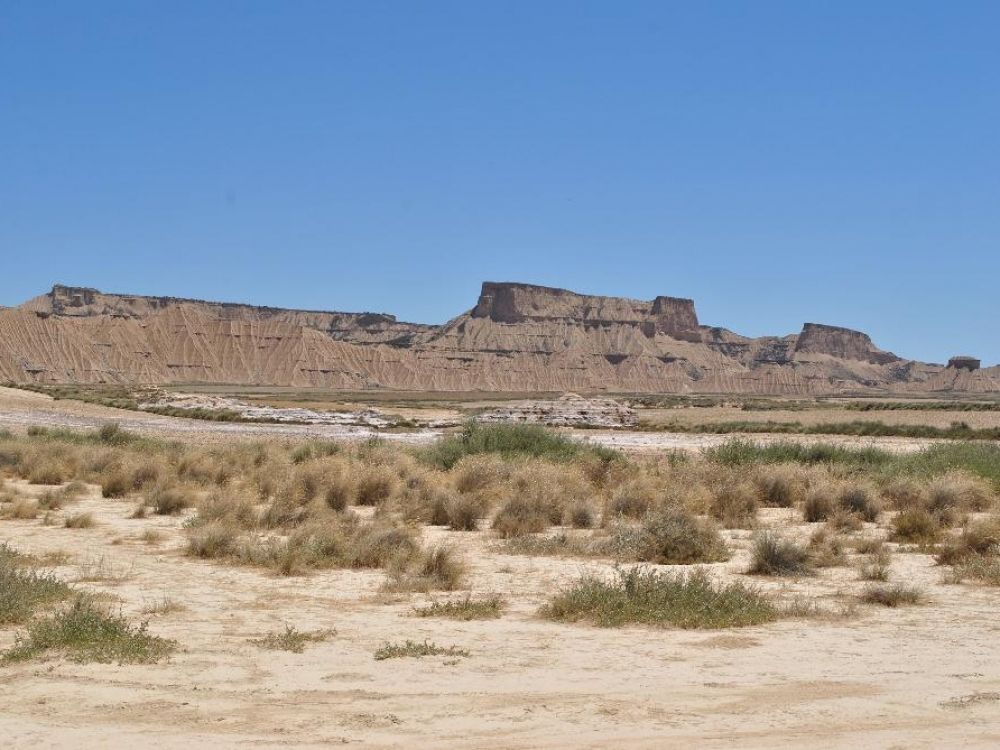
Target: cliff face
[(518, 337)]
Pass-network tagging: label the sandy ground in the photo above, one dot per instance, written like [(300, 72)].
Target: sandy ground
[(22, 409), (882, 679)]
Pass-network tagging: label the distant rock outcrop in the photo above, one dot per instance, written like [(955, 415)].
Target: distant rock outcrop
[(964, 363), (842, 343), (517, 337)]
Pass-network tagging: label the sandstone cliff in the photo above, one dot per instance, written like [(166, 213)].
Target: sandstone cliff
[(517, 337)]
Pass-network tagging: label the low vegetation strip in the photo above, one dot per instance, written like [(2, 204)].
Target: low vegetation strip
[(646, 596), (511, 441), (416, 649), (957, 431)]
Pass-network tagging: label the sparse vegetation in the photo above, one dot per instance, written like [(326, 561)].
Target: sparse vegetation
[(416, 649), (486, 608), (292, 639)]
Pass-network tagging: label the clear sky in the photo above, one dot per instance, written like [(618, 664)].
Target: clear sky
[(779, 162)]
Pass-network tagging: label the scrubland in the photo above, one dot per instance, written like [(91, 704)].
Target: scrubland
[(504, 586)]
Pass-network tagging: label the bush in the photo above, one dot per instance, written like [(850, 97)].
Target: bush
[(895, 595), (463, 513), (22, 591), (979, 539), (640, 595), (917, 526), (826, 550), (518, 517), (436, 569), (376, 484), (291, 639), (633, 499), (735, 506), (773, 556), (212, 540), (581, 516), (79, 521), (675, 537), (777, 487), (818, 505), (859, 500), (84, 633), (171, 499)]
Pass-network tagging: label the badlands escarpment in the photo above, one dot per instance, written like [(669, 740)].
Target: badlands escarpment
[(517, 337)]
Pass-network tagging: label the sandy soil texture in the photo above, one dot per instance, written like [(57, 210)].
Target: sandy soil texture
[(919, 677)]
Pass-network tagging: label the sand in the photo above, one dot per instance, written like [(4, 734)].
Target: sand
[(885, 678)]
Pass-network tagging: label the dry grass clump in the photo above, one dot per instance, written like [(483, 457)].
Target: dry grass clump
[(152, 536), (86, 633), (956, 493), (905, 493), (674, 536), (436, 569), (875, 564), (463, 512), (859, 500), (292, 639), (232, 505), (520, 516), (778, 486), (375, 485), (581, 515), (171, 499), (642, 595), (826, 550), (480, 472), (735, 505), (819, 504), (984, 569), (978, 539), (634, 498), (773, 556), (21, 510), (213, 540), (488, 608), (79, 521), (917, 526), (892, 595)]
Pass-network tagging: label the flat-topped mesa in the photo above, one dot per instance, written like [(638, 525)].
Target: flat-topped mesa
[(355, 327), (962, 362), (509, 302), (843, 343)]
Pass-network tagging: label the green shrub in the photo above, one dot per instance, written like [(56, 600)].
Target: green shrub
[(641, 595), (84, 633)]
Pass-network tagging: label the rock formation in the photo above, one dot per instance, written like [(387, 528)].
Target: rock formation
[(517, 337)]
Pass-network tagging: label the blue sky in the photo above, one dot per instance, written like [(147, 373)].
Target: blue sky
[(779, 162)]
